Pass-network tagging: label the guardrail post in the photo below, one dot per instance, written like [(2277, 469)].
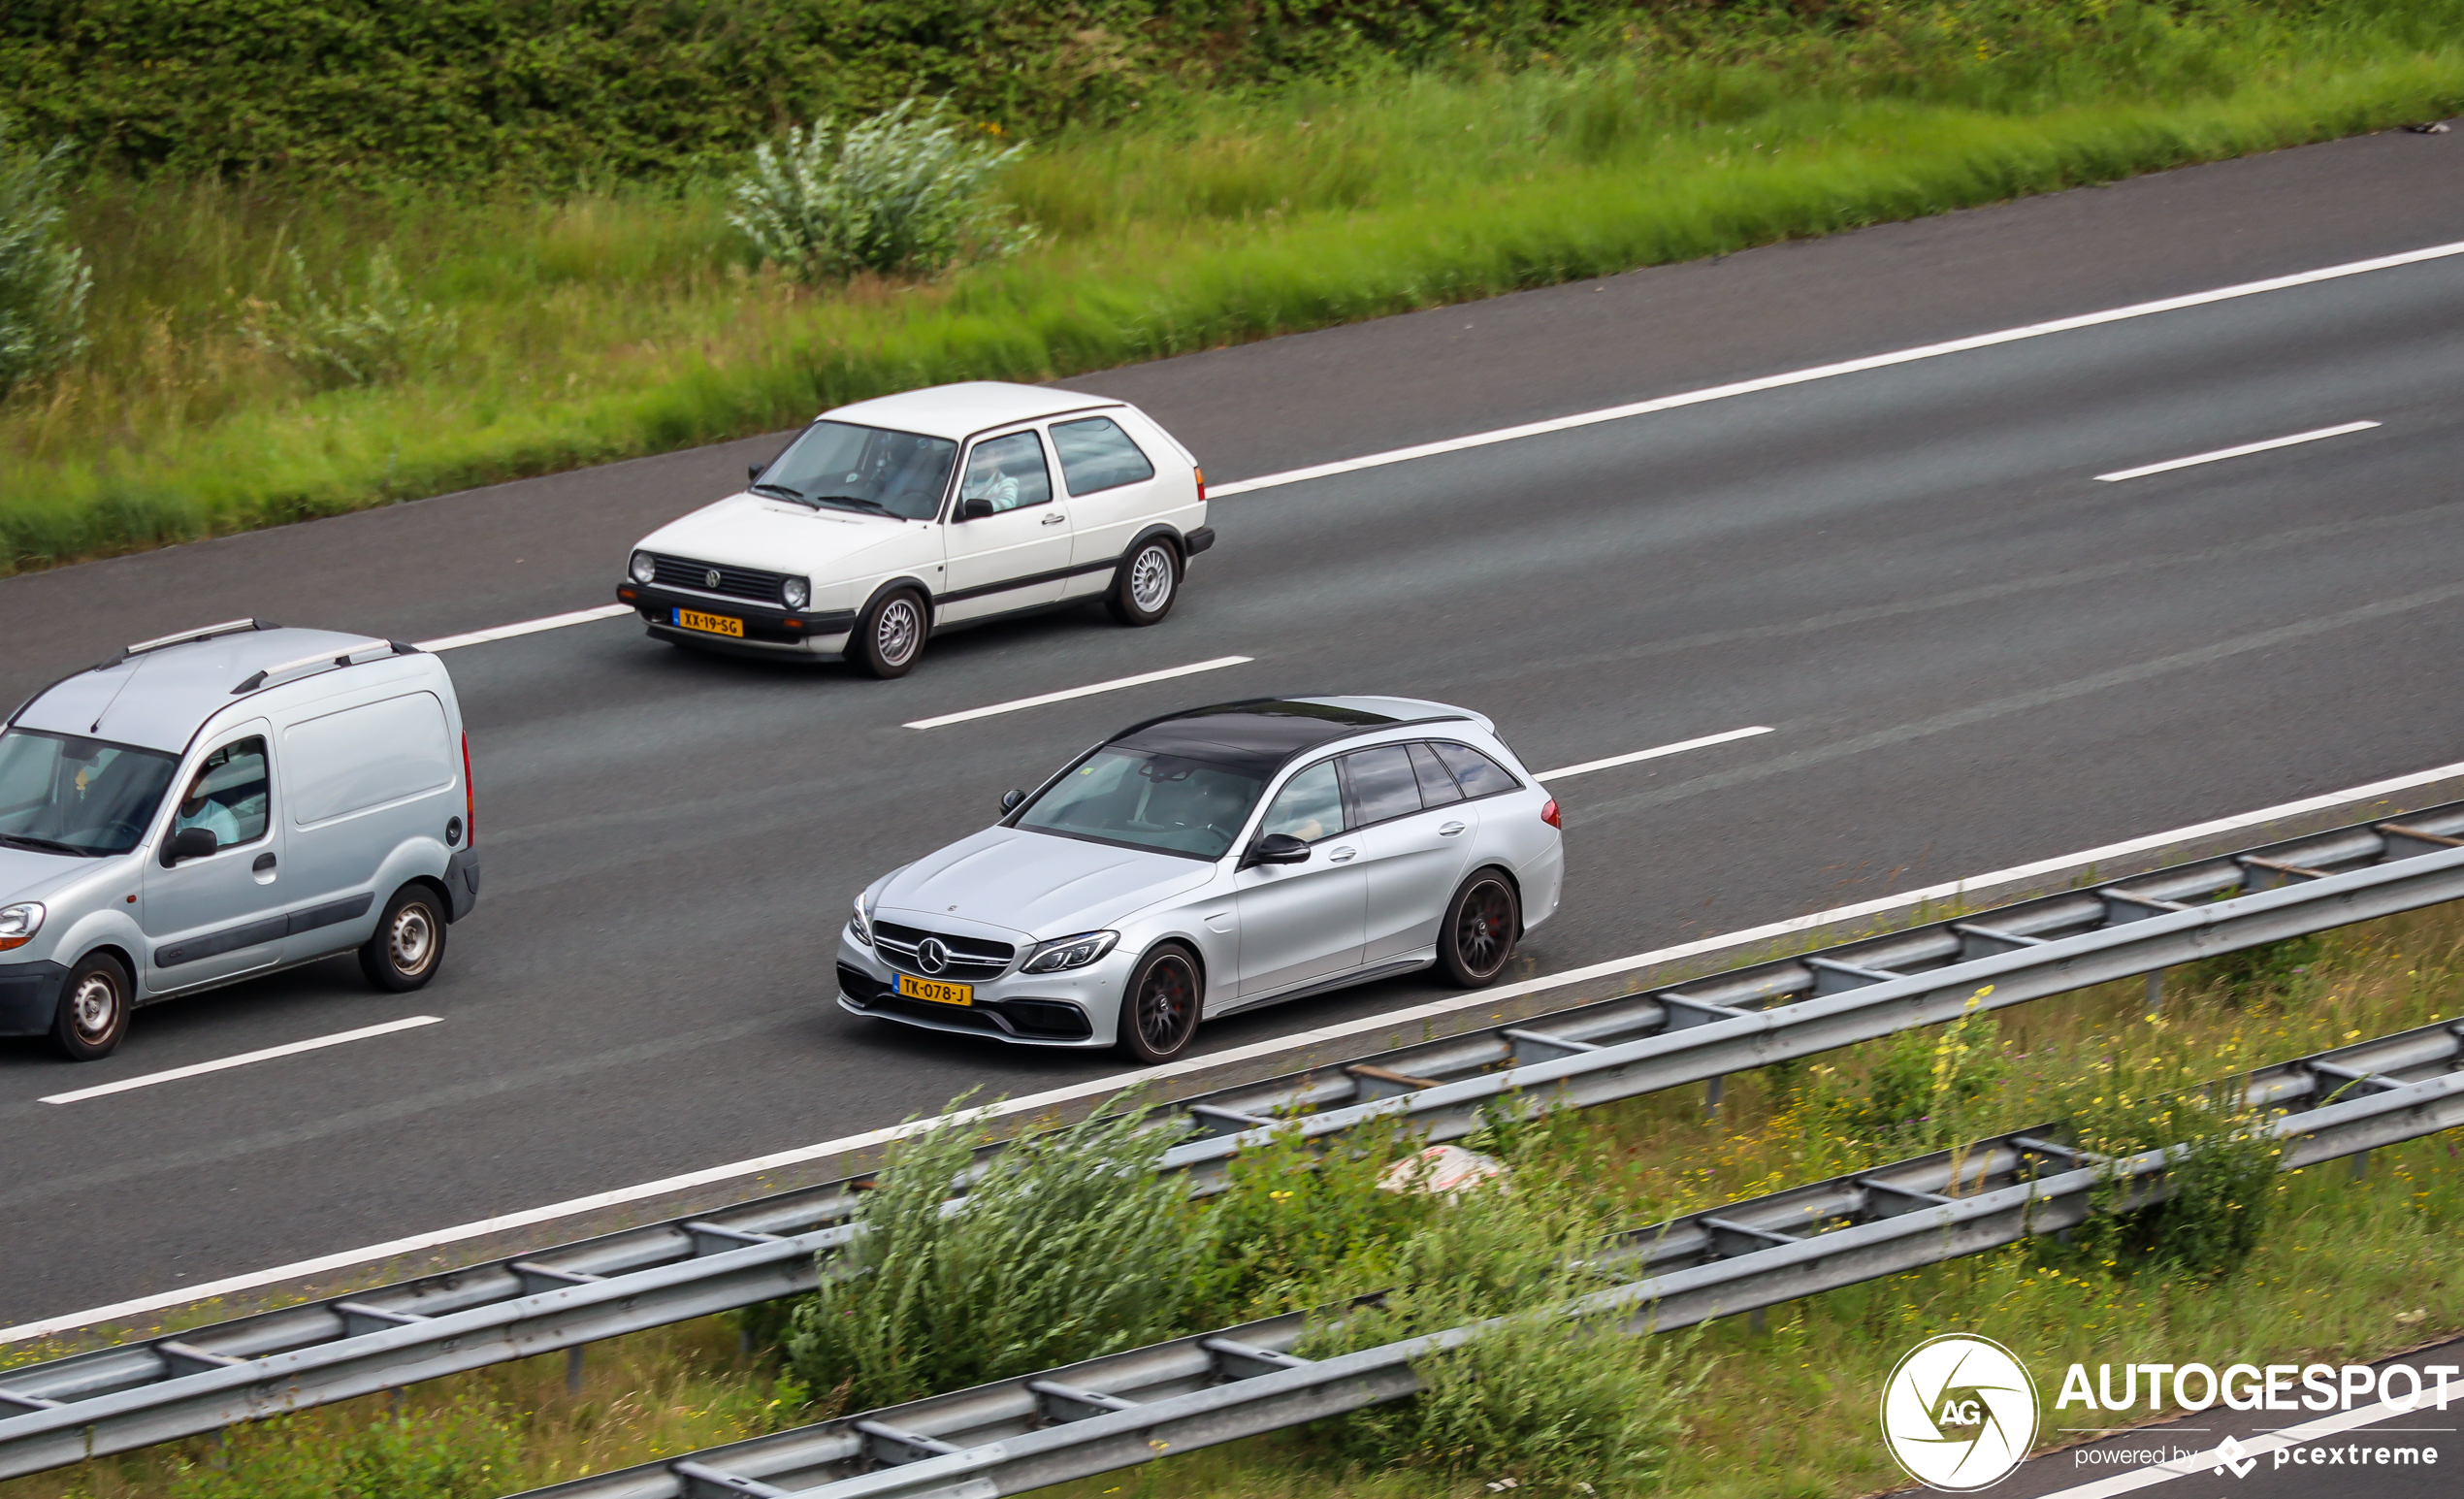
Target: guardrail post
[(2360, 1165), (573, 1368), (2156, 992), (1711, 1097)]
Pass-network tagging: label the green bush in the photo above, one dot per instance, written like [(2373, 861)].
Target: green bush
[(42, 277), (906, 190), (372, 337), (929, 1299), (463, 1451)]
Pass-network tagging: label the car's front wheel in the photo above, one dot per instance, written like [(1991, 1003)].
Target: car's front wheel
[(410, 941), (890, 639), (1147, 584), (1159, 1009), (93, 1011), (1482, 923)]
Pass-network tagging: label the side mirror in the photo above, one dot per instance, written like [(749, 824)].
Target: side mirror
[(1012, 801), (1277, 848), (752, 471), (190, 843), (978, 508)]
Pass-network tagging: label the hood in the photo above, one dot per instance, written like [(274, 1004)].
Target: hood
[(777, 536), (28, 875), (1035, 884)]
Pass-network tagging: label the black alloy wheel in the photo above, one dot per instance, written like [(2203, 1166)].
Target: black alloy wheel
[(1482, 923), (410, 941), (891, 635), (1146, 584), (1159, 1009), (93, 1010)]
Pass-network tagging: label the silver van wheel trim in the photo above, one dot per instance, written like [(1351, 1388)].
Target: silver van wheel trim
[(895, 633), (94, 1007), (1151, 577), (411, 944)]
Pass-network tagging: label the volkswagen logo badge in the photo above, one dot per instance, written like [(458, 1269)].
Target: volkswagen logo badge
[(711, 578), (930, 955)]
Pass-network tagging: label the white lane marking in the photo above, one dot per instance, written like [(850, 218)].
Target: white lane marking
[(1114, 685), (2208, 1461), (1679, 748), (2243, 451), (1392, 1022), (453, 642), (199, 1069), (1830, 371)]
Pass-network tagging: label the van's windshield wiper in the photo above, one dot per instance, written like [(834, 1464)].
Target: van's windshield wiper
[(797, 495), (46, 845), (874, 506)]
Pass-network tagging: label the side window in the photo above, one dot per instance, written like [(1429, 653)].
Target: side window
[(228, 796), (1382, 784), (1009, 472), (1096, 454), (1308, 807), (1479, 775), (1436, 783)]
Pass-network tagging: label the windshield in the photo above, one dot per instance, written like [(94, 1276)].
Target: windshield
[(862, 468), (1147, 800), (71, 795)]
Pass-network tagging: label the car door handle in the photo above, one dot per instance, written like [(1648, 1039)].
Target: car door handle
[(264, 862), (1054, 520), (1450, 830), (1340, 856)]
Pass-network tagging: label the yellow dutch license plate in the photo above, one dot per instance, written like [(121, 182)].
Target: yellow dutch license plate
[(934, 990), (709, 623)]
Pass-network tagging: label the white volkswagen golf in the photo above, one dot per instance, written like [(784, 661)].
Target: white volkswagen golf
[(890, 519), (1214, 861)]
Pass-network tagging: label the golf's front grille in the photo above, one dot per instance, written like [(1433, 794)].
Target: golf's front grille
[(748, 583), (967, 959)]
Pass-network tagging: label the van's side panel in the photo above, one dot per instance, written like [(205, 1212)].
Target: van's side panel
[(372, 785)]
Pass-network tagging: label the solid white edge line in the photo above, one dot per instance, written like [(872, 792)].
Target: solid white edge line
[(2208, 1461), (1679, 748), (1828, 372), (2243, 451), (222, 1064), (1103, 1087), (454, 642), (1114, 685)]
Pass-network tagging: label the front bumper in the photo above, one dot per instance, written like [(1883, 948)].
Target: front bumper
[(30, 997), (769, 631), (1079, 1008)]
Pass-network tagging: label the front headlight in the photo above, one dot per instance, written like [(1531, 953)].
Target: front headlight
[(1069, 952), (18, 923), (796, 592), (643, 567), (858, 927)]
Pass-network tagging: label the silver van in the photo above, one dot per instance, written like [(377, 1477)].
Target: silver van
[(220, 804)]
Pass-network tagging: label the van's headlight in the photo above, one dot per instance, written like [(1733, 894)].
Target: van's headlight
[(795, 593), (18, 923), (858, 927), (644, 568), (1069, 952)]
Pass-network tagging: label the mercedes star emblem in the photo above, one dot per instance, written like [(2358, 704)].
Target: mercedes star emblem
[(930, 955)]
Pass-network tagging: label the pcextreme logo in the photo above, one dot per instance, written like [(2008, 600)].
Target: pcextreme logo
[(1960, 1412)]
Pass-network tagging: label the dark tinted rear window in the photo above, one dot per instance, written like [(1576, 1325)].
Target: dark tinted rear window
[(1437, 786), (1479, 775), (1382, 784)]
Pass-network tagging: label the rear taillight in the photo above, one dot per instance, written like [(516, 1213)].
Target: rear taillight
[(471, 801), (1548, 815), (1201, 484)]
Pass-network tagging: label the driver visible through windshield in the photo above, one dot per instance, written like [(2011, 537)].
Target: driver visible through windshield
[(64, 795), (852, 468), (1144, 799)]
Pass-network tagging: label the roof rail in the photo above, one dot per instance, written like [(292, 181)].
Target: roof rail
[(187, 637), (357, 654)]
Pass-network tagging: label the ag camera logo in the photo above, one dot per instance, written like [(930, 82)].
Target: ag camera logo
[(1960, 1412)]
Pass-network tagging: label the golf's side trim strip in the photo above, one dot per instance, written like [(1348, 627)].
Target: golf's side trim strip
[(1099, 1088), (1832, 371)]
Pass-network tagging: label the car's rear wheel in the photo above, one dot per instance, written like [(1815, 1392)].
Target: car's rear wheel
[(1147, 583), (410, 941), (93, 1011), (1159, 1009), (1482, 923), (890, 639)]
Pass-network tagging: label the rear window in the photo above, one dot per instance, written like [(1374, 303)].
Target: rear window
[(367, 755), (1096, 454), (1382, 784), (1478, 774)]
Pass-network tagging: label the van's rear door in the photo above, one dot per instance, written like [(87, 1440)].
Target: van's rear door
[(368, 783)]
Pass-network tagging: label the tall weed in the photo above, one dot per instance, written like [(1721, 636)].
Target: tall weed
[(44, 278), (370, 336), (907, 190)]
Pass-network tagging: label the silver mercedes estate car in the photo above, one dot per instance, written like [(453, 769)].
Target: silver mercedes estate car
[(1214, 860)]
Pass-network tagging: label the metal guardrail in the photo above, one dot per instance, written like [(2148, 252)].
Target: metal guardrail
[(1128, 1408), (135, 1394)]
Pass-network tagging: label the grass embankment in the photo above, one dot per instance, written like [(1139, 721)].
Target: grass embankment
[(2340, 1270), (615, 323)]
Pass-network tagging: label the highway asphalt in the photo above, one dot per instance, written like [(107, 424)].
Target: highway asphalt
[(1970, 650)]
